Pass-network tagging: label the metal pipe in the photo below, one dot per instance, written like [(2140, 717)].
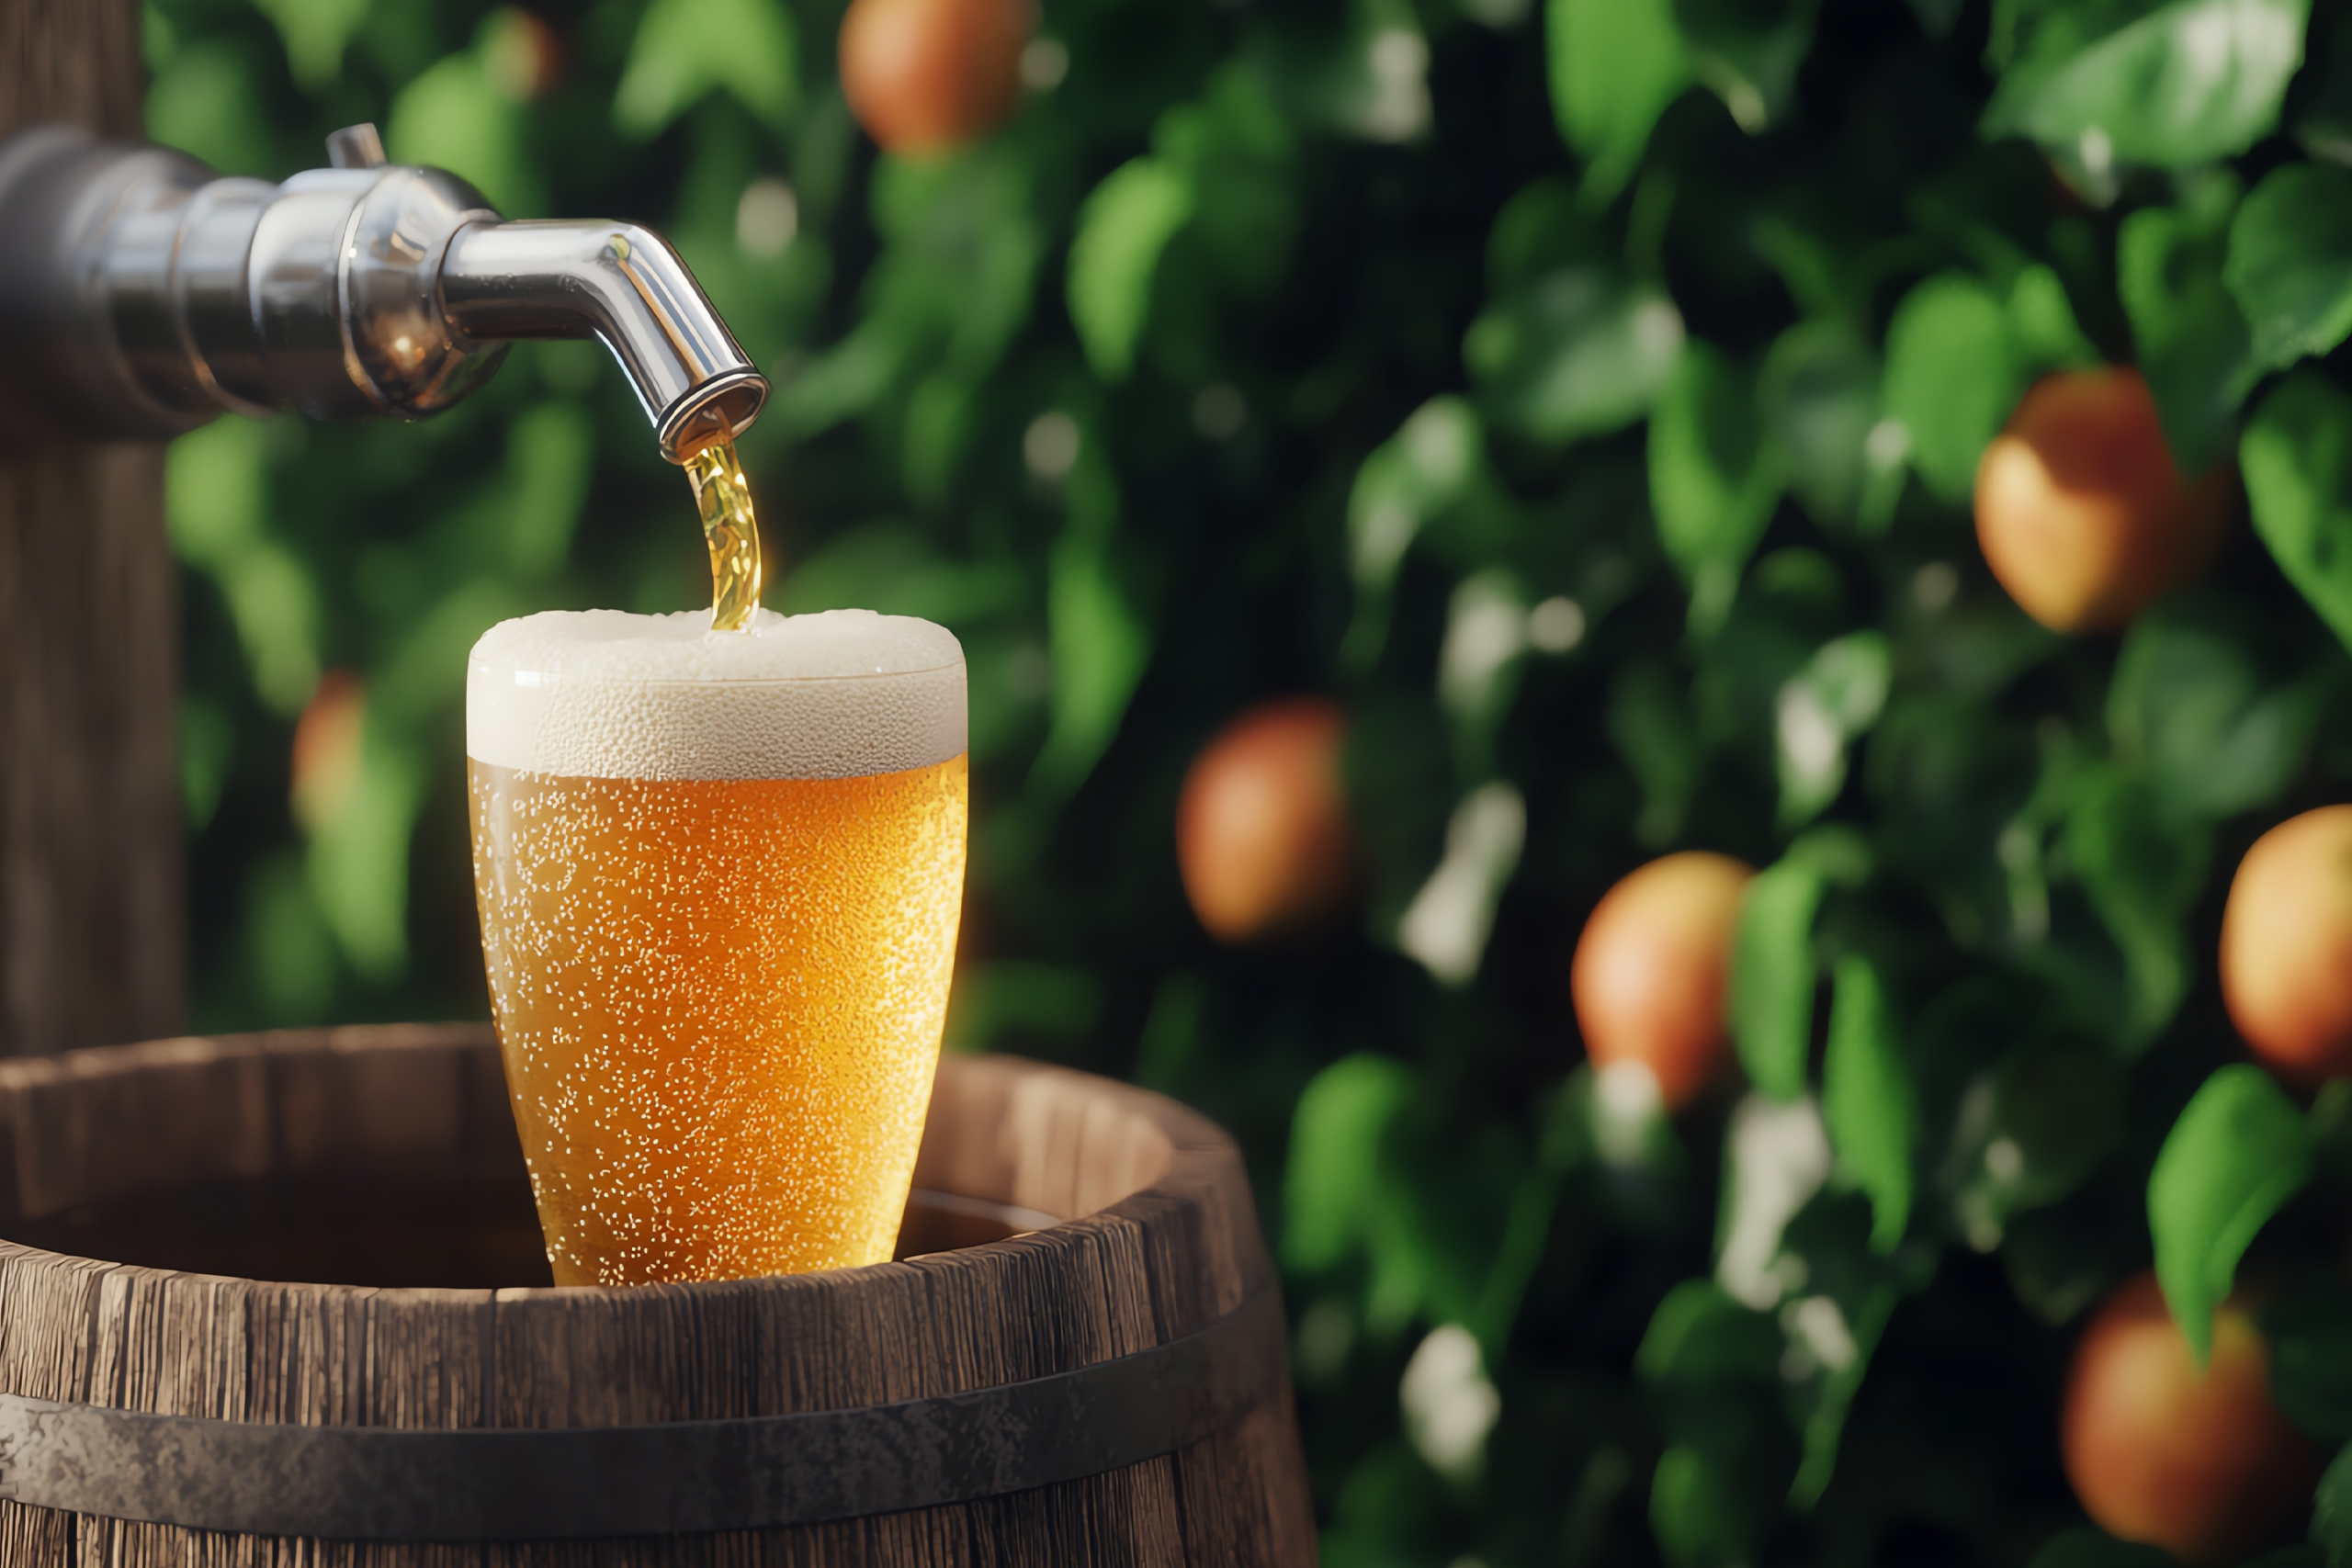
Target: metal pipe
[(140, 296), (504, 281)]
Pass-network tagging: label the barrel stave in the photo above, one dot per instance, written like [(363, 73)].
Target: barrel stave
[(358, 1103), (36, 1537), (202, 1109), (47, 1303), (612, 1358)]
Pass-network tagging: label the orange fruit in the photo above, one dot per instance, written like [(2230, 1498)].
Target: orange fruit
[(2080, 512), (2287, 946), (2200, 1463), (1262, 827), (524, 55), (927, 76), (327, 746), (1652, 970)]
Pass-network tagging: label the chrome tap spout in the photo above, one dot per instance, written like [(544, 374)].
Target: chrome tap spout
[(140, 296), (626, 285)]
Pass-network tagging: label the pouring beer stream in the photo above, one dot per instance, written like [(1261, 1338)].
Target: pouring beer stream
[(732, 532)]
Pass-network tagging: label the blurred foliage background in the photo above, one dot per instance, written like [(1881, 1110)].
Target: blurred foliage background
[(1589, 398)]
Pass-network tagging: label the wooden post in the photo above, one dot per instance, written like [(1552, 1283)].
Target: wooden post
[(91, 924)]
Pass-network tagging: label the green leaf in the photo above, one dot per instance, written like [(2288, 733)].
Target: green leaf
[(2297, 458), (896, 569), (1375, 83), (2037, 35), (2195, 81), (551, 463), (1397, 765), (358, 859), (1749, 54), (1936, 17), (2084, 1547), (1836, 1387), (2063, 1260), (1447, 924), (939, 413), (1699, 1334), (1837, 850), (1846, 1289), (685, 49), (2191, 707), (2309, 1331), (951, 290), (1123, 228), (2142, 868), (1541, 229), (208, 746), (315, 32), (216, 502), (1331, 1183), (1712, 481), (1578, 352), (1698, 1511), (1651, 727), (453, 117), (1866, 1098), (2291, 262), (2062, 1107), (957, 282), (1009, 996), (290, 948), (2028, 1132), (1614, 66), (2194, 346), (204, 100), (1406, 483), (2043, 323), (2324, 98), (1100, 641), (2238, 1151), (1819, 712), (216, 496), (2302, 1555), (1235, 149), (1478, 663), (1953, 373), (2332, 1510), (1772, 977), (1819, 390)]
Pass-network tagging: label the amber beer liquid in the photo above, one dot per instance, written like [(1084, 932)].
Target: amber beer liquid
[(719, 874)]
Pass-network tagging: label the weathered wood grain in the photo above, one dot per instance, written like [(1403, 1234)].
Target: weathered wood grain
[(91, 923), (1159, 1239)]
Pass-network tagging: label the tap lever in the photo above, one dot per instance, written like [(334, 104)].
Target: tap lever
[(355, 147)]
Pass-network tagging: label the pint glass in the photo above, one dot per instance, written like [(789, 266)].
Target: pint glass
[(719, 875)]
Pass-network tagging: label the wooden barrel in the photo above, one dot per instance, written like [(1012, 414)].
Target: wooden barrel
[(1078, 1358)]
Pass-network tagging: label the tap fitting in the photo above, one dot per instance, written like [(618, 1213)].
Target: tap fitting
[(140, 296)]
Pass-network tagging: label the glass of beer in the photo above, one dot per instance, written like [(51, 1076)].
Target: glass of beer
[(719, 875)]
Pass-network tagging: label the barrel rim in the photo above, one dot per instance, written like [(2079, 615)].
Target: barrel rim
[(473, 1295), (1187, 1130)]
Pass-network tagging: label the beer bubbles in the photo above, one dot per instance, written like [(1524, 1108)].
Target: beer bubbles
[(720, 877)]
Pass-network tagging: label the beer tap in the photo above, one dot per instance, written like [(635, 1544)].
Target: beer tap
[(140, 296)]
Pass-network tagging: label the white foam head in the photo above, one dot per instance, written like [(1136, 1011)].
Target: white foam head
[(599, 693)]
